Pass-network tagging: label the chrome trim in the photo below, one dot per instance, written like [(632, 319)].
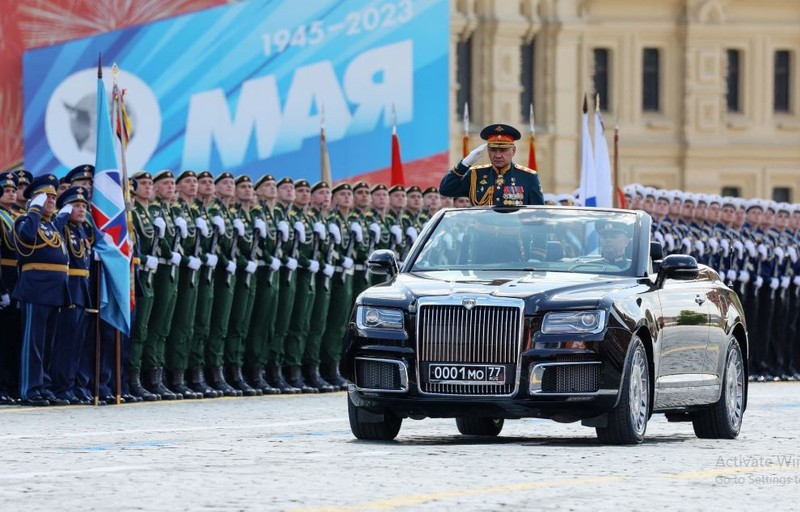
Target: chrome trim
[(537, 373), (496, 335), (403, 375)]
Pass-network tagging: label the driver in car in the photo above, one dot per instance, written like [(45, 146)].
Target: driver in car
[(613, 243)]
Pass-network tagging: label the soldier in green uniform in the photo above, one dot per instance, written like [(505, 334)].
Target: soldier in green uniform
[(165, 283), (371, 232), (432, 201), (344, 227), (205, 285), (413, 218), (397, 206), (247, 234), (377, 215), (224, 283), (318, 210), (181, 331)]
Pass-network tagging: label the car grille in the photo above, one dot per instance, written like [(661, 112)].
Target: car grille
[(485, 334), (379, 374), (571, 378)]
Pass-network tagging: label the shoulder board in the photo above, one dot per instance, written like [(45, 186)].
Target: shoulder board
[(526, 169), (484, 166)]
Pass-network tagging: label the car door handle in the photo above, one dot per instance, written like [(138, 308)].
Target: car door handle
[(699, 300)]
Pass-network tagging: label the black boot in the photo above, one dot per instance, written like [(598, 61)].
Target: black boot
[(237, 381), (218, 382), (197, 383), (255, 377), (330, 372), (136, 388), (313, 379), (155, 384), (177, 383), (276, 380), (296, 380)]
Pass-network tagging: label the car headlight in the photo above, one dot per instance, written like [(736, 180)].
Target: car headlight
[(574, 322), (370, 317)]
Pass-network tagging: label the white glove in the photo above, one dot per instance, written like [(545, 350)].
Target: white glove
[(333, 229), (762, 251), (300, 228), (347, 263), (375, 229), (355, 228), (238, 225), (160, 225), (474, 155), (319, 229), (739, 248), (275, 264), (796, 280), (180, 222), (211, 260), (670, 242), (328, 270), (5, 301), (774, 283), (713, 244), (291, 264), (261, 227), (448, 239), (150, 262), (759, 282), (792, 252), (700, 248), (283, 227), (202, 225), (251, 267), (726, 246), (219, 223), (66, 209), (231, 268), (731, 275), (779, 253), (175, 259), (411, 231), (39, 199), (659, 238), (744, 276), (96, 256), (751, 248), (398, 234), (313, 266), (686, 245), (194, 263), (785, 282)]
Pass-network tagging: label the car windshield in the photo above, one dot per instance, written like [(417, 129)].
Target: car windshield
[(541, 239)]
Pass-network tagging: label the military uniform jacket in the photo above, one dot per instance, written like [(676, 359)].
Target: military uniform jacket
[(199, 211), (225, 242), (270, 246), (247, 245), (305, 251), (190, 246), (346, 248), (383, 222), (285, 213), (365, 247), (79, 239), (168, 243), (8, 251), (42, 259), (146, 245), (485, 185)]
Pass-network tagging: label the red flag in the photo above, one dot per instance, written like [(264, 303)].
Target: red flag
[(397, 163), (532, 145), (465, 139)]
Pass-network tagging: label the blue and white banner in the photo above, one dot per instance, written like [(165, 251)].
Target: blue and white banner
[(243, 88)]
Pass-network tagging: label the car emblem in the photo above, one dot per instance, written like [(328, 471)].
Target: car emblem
[(468, 303)]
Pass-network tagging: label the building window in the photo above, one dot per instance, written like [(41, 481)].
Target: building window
[(731, 192), (651, 79), (463, 74), (601, 72), (782, 75), (734, 59), (528, 55), (782, 195)]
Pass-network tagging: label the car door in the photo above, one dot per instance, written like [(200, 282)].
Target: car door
[(685, 330)]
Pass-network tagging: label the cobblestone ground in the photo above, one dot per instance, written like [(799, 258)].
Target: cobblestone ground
[(297, 453)]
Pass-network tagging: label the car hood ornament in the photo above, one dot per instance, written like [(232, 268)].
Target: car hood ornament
[(469, 303)]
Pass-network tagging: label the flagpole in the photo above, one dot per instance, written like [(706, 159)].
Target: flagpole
[(617, 198), (465, 138), (98, 270)]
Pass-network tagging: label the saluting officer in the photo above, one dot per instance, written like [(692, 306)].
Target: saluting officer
[(42, 288), (9, 312), (501, 183)]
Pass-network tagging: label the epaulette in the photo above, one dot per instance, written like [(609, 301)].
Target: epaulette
[(526, 169), (484, 166)]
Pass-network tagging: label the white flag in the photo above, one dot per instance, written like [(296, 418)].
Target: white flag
[(588, 186), (602, 165)]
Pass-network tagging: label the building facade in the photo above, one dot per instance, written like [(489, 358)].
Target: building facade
[(706, 91)]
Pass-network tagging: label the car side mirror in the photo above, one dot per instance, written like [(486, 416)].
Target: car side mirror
[(382, 263), (677, 266)]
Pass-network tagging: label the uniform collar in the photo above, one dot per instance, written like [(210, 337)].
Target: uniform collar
[(503, 170)]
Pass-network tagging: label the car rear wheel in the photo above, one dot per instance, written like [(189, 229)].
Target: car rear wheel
[(381, 430), (723, 420), (627, 421), (478, 426)]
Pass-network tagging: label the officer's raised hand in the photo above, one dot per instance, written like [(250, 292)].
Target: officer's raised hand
[(474, 155)]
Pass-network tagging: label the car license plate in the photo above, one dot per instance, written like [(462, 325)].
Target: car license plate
[(466, 374)]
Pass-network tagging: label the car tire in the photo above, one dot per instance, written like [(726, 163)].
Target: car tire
[(385, 430), (723, 419), (479, 426), (627, 421)]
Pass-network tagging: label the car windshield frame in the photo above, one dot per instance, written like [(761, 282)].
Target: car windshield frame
[(527, 239)]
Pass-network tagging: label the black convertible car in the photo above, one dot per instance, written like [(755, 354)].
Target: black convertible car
[(551, 312)]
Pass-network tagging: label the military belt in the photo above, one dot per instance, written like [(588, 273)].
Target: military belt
[(359, 267), (8, 262), (48, 267), (79, 272), (340, 269)]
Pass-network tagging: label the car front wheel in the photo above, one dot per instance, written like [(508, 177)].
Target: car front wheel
[(477, 426), (627, 421), (381, 430), (723, 420)]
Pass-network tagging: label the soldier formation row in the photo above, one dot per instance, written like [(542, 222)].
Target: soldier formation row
[(242, 287)]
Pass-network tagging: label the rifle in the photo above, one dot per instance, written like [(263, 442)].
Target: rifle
[(214, 249), (370, 248), (276, 253), (348, 251), (326, 282), (253, 254), (153, 249), (176, 245), (196, 254), (293, 253), (234, 247)]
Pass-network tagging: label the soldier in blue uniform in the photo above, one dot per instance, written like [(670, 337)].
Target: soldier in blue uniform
[(42, 288), (9, 313), (501, 183)]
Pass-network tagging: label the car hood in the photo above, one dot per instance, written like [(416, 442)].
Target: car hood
[(540, 290)]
